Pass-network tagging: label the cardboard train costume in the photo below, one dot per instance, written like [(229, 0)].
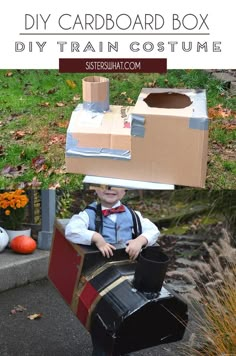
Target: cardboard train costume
[(122, 304), (162, 139)]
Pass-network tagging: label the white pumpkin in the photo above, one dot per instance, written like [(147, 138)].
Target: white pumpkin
[(4, 239)]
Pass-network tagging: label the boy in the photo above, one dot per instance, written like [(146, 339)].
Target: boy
[(117, 226)]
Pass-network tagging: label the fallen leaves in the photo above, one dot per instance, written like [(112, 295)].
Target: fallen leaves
[(76, 97), (57, 139), (20, 309), (128, 100), (19, 134), (54, 186), (34, 316), (9, 74), (45, 104), (38, 163), (219, 112), (13, 172), (61, 124), (60, 104), (34, 184), (229, 126), (52, 91), (152, 84), (71, 84), (17, 308)]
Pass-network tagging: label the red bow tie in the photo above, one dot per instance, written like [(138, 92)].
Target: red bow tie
[(119, 209)]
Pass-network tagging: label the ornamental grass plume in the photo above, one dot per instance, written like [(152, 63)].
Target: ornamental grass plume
[(214, 306), (12, 209)]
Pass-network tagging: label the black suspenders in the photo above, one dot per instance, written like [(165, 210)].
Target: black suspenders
[(136, 223), (98, 220)]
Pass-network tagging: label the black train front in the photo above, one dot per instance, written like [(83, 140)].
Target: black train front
[(123, 310)]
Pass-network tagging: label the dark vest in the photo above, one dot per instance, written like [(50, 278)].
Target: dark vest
[(120, 231)]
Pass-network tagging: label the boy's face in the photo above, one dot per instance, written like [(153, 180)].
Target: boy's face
[(110, 197)]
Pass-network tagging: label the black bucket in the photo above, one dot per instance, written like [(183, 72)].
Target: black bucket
[(150, 270)]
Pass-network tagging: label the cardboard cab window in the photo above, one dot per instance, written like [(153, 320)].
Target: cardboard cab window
[(163, 138)]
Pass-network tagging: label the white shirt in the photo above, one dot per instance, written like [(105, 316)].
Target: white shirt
[(77, 229)]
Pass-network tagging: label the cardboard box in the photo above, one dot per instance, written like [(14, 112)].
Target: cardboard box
[(110, 130), (168, 141), (100, 293)]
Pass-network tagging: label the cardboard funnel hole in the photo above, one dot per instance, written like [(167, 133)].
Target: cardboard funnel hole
[(95, 94), (150, 270), (168, 100)]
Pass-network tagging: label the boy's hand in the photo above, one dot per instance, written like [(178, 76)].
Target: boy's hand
[(135, 246), (104, 247)]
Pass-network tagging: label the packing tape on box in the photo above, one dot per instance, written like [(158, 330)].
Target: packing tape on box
[(96, 106), (74, 150), (198, 123), (137, 125), (199, 119), (197, 98)]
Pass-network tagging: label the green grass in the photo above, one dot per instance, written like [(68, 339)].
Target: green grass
[(230, 166), (35, 109), (221, 135)]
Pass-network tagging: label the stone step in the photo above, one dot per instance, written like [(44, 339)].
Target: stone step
[(17, 269)]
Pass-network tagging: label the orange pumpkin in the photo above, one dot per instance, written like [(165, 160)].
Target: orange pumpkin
[(23, 244)]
